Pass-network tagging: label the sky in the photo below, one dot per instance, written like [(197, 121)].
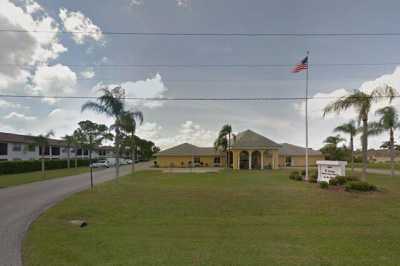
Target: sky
[(72, 55)]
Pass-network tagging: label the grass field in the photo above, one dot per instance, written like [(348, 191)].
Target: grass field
[(227, 218), (24, 178)]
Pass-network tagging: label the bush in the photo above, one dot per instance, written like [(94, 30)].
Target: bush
[(303, 172), (341, 180), (16, 167), (359, 186), (294, 175), (324, 185), (333, 182), (299, 178)]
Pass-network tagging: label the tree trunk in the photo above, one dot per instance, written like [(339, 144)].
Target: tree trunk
[(229, 150), (42, 162), (365, 148), (68, 157), (133, 151), (391, 147), (76, 157), (352, 153), (117, 135)]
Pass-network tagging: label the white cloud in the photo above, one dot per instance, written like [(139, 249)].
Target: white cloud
[(24, 49), (188, 132), (183, 3), (54, 80), (81, 27), (149, 88), (88, 73), (19, 116), (135, 2), (11, 105)]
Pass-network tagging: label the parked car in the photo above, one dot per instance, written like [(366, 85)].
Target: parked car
[(100, 164), (129, 161), (123, 161)]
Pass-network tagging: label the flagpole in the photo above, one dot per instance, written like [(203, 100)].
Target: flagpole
[(308, 66)]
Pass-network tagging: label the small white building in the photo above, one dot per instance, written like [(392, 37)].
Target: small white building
[(330, 169)]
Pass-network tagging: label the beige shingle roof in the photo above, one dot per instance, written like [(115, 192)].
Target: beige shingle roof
[(187, 149), (251, 139), (17, 138), (292, 150)]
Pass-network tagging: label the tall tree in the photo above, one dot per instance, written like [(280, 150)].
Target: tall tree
[(351, 129), (223, 141), (362, 103), (389, 121), (129, 121), (43, 141), (92, 135), (111, 104), (69, 141)]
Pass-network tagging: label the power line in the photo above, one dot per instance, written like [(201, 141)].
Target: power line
[(217, 34), (186, 99), (210, 65)]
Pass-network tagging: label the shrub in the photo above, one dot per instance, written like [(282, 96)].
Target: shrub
[(299, 178), (324, 185), (341, 180), (16, 167), (303, 172), (333, 182), (359, 186), (312, 179), (294, 175)]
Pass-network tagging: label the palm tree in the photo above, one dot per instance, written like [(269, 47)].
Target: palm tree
[(389, 121), (129, 122), (69, 141), (42, 141), (351, 129), (362, 103), (334, 140), (223, 141), (111, 104)]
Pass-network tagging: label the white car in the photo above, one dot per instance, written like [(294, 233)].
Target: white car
[(100, 164)]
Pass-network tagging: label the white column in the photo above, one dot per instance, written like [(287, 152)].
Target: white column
[(238, 160), (262, 160), (50, 152), (249, 160)]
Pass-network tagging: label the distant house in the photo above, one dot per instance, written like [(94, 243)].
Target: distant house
[(23, 147), (381, 155), (249, 150)]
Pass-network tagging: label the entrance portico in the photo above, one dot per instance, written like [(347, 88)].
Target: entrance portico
[(253, 151)]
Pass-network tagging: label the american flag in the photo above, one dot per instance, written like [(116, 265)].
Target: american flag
[(301, 66)]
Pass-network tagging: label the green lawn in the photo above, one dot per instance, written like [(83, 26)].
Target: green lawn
[(24, 178), (227, 218)]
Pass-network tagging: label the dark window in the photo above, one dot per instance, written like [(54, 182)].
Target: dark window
[(55, 151), (86, 152), (79, 152), (217, 160), (196, 159), (3, 149), (46, 151), (17, 147), (102, 152), (288, 161)]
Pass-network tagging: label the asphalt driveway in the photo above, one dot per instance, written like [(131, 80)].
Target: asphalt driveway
[(21, 205)]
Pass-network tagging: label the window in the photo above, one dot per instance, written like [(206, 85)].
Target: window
[(55, 151), (102, 153), (17, 147), (196, 159), (46, 151), (288, 161), (86, 152), (79, 152), (3, 149), (217, 160)]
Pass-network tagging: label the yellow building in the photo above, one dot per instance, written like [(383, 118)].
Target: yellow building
[(249, 150)]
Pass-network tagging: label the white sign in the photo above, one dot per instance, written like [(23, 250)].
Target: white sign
[(330, 169)]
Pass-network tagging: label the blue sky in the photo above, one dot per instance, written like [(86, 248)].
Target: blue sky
[(45, 63)]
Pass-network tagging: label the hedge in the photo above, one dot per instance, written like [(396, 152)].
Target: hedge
[(16, 167)]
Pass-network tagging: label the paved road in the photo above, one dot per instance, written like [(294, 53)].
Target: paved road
[(21, 205), (377, 171)]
